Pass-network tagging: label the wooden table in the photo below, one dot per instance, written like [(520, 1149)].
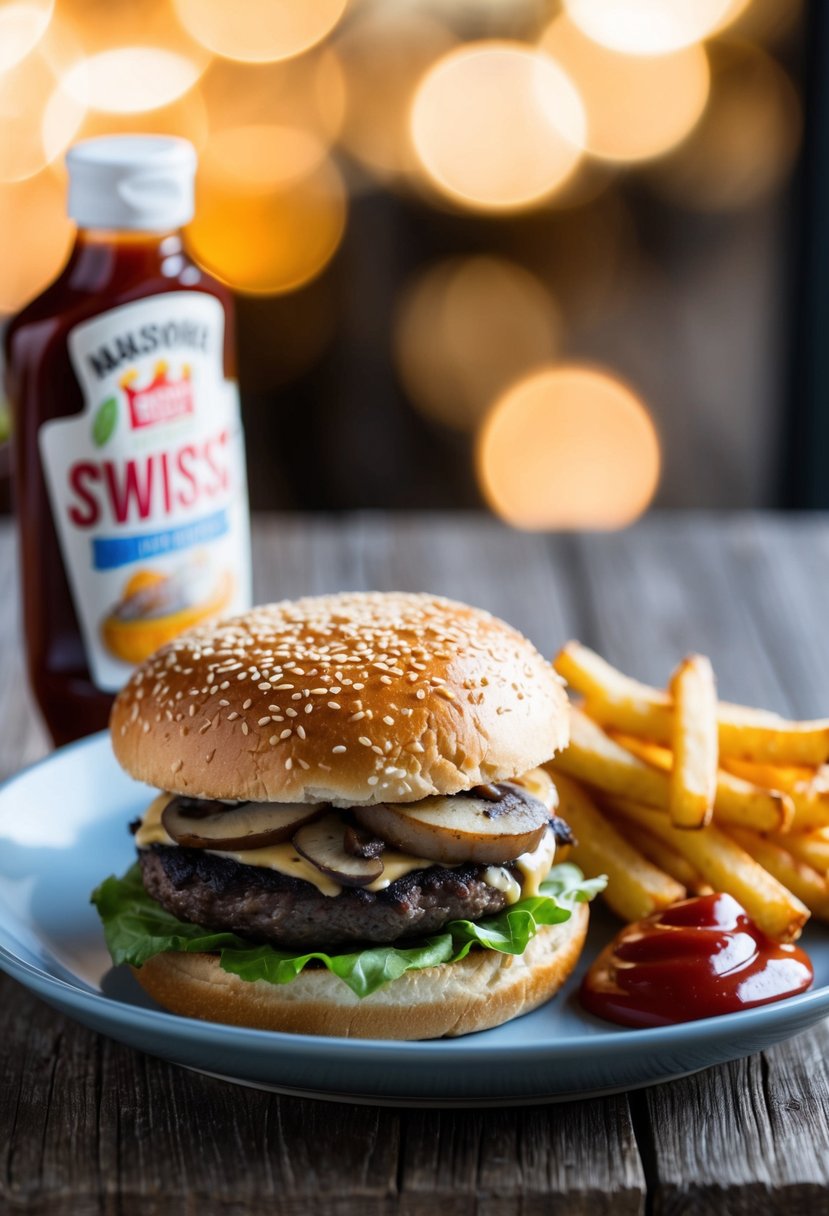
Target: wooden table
[(88, 1126)]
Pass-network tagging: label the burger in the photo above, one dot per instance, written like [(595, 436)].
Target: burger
[(353, 834)]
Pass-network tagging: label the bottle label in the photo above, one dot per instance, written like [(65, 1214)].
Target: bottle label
[(147, 484)]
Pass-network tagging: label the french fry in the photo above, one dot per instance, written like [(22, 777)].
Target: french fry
[(807, 788), (612, 698), (809, 847), (800, 878), (727, 867), (751, 806), (635, 887), (598, 760), (667, 859), (736, 801), (693, 780), (757, 734), (616, 700)]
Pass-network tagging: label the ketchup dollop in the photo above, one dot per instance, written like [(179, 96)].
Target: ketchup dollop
[(696, 959)]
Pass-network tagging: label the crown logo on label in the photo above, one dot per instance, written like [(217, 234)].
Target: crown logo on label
[(162, 400)]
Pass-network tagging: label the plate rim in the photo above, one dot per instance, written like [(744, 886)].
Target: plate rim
[(638, 1040)]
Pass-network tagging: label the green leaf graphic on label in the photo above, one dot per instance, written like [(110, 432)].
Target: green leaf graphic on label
[(105, 421)]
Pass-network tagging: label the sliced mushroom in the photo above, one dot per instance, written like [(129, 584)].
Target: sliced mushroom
[(323, 844), (197, 823), (361, 843), (462, 827)]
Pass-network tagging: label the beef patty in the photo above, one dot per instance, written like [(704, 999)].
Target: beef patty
[(220, 893)]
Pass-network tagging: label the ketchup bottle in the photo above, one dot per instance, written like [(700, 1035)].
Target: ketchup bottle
[(129, 460)]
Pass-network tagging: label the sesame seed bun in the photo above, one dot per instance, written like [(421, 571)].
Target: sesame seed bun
[(352, 698), (482, 990)]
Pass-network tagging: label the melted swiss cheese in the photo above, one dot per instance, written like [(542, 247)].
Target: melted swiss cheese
[(284, 858)]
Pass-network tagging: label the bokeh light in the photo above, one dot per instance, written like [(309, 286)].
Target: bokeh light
[(270, 209), (647, 27), (258, 31), (568, 447), (637, 108), (131, 79), (22, 25), (468, 327), (746, 142), (308, 93), (497, 126), (186, 117), (35, 212), (39, 116), (262, 156), (384, 52)]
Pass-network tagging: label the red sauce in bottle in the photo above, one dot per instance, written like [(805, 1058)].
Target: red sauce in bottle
[(148, 404), (699, 958)]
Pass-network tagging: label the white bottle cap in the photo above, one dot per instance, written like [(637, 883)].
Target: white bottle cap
[(138, 182)]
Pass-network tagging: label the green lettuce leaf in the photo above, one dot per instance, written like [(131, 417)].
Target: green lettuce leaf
[(137, 928)]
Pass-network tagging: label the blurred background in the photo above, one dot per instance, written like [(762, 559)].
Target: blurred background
[(543, 256)]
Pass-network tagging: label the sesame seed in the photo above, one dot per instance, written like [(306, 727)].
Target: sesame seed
[(333, 704), (372, 780), (339, 749), (232, 716), (289, 764), (273, 739), (279, 686), (300, 730), (244, 728), (389, 720), (358, 716), (309, 709), (420, 694), (290, 713), (247, 704), (223, 702), (365, 742), (286, 733), (318, 692), (264, 721)]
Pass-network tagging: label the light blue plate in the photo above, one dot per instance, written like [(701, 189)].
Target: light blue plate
[(63, 827)]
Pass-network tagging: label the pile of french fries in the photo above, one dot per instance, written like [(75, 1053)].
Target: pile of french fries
[(674, 793)]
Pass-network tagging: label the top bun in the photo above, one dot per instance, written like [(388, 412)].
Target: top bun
[(352, 698)]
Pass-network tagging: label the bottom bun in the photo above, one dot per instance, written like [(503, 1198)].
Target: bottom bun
[(482, 990)]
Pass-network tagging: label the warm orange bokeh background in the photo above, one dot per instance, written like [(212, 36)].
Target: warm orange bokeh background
[(483, 113)]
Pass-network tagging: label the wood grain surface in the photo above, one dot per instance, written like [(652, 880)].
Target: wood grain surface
[(89, 1126)]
